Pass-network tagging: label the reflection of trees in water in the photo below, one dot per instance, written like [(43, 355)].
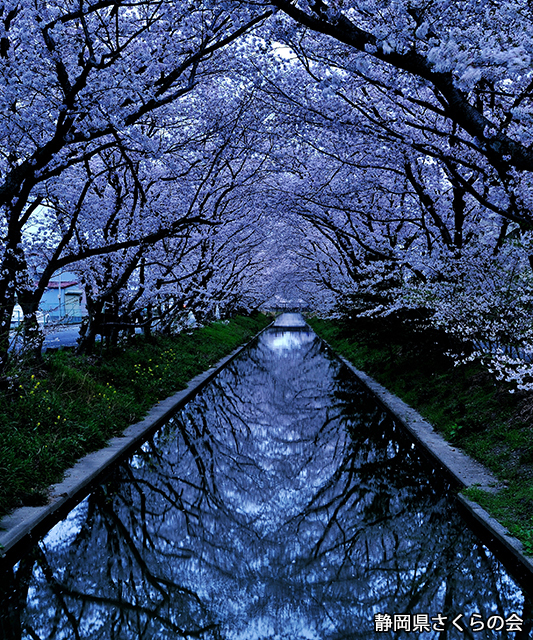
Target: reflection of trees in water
[(107, 583), (254, 514)]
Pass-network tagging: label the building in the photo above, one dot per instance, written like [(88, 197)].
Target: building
[(63, 299)]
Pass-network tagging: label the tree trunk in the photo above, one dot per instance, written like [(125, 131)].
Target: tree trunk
[(147, 322), (91, 327), (33, 335), (6, 312), (9, 270)]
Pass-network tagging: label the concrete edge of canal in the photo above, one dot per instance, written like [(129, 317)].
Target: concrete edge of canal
[(23, 527), (463, 469)]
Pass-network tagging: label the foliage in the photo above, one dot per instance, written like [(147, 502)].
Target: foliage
[(465, 403), (74, 404)]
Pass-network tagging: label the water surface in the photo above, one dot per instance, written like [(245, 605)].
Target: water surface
[(281, 503)]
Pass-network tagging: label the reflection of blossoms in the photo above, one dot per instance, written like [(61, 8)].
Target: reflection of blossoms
[(281, 502)]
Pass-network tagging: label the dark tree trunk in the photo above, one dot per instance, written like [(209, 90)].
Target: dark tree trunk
[(91, 327), (33, 335), (10, 271)]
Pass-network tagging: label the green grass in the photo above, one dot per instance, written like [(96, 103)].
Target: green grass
[(465, 403), (72, 405), (502, 506)]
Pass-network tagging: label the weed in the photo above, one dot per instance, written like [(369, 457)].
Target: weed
[(510, 506), (454, 430)]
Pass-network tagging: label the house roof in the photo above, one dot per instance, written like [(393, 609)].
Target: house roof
[(53, 284)]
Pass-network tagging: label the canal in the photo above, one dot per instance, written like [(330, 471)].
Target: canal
[(281, 503)]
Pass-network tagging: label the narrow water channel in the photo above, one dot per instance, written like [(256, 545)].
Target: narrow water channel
[(282, 503)]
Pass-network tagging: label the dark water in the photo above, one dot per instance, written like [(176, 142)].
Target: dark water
[(282, 503)]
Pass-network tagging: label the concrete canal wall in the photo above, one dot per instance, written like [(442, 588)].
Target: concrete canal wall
[(22, 528), (465, 471), (25, 525)]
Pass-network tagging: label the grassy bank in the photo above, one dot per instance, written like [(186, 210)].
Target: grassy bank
[(72, 405), (465, 403)]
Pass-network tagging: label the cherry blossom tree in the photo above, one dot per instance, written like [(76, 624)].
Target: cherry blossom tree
[(358, 154), (187, 220), (412, 212), (78, 78), (474, 57)]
